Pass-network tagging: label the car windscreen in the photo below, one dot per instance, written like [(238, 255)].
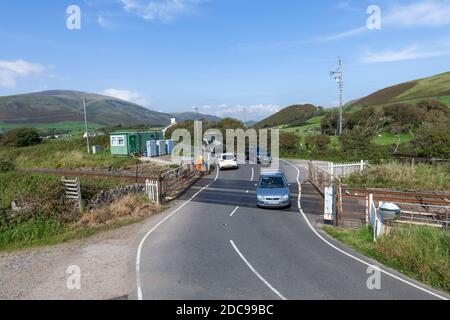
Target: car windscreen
[(228, 157), (272, 183)]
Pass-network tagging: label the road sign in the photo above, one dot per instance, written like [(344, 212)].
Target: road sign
[(330, 208)]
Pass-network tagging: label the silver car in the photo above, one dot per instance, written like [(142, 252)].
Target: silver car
[(273, 190)]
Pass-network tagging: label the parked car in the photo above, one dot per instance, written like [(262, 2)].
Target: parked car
[(273, 190), (262, 157), (228, 161)]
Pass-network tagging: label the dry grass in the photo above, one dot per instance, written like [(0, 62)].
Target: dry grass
[(129, 207), (404, 177)]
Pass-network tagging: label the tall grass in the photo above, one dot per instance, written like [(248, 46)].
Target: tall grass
[(64, 154), (419, 252), (403, 177)]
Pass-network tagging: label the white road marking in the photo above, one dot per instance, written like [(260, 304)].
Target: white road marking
[(217, 173), (346, 253), (256, 272), (141, 245), (234, 211), (253, 174)]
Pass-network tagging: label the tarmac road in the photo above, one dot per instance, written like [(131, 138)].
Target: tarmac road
[(217, 245)]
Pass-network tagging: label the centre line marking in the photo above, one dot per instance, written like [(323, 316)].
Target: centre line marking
[(253, 174), (256, 272), (234, 211)]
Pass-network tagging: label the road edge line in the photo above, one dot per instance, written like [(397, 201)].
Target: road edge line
[(346, 253), (141, 244)]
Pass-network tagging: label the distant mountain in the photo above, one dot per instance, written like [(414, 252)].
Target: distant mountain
[(58, 106), (296, 114), (435, 87), (184, 116)]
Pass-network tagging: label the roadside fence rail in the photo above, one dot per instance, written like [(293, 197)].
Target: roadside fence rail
[(341, 170)]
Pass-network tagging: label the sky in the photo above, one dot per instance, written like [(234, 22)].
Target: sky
[(222, 56)]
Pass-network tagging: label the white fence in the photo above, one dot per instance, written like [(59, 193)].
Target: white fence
[(152, 190), (341, 170)]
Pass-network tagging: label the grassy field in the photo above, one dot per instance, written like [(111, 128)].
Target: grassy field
[(73, 127), (388, 138), (64, 154), (421, 253), (311, 127), (403, 177)]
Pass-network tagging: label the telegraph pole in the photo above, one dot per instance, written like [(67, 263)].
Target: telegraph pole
[(338, 75), (86, 124), (245, 117)]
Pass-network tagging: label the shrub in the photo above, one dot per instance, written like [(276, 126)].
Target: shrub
[(356, 142), (318, 142), (21, 137), (289, 142), (433, 138), (6, 165)]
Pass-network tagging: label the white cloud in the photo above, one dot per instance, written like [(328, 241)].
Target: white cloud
[(10, 71), (412, 52), (126, 95), (341, 35), (426, 13), (253, 112), (159, 10)]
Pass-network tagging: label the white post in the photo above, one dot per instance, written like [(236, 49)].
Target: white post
[(362, 165)]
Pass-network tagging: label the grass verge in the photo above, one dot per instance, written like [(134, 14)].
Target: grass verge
[(39, 231), (421, 253), (403, 177)]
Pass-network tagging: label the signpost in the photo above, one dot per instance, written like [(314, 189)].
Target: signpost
[(330, 207)]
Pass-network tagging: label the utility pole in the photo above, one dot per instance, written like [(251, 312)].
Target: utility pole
[(245, 117), (86, 124), (338, 75)]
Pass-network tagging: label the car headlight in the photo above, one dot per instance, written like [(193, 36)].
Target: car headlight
[(260, 198), (286, 197)]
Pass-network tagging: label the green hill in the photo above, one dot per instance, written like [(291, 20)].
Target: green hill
[(57, 106), (435, 87), (296, 114), (184, 116)]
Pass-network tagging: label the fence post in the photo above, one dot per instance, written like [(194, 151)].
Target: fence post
[(362, 165)]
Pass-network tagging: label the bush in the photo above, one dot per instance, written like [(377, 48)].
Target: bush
[(356, 142), (289, 142), (433, 138), (21, 137), (6, 165), (318, 142)]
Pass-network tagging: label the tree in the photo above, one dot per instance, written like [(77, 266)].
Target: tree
[(429, 105), (329, 123), (289, 142), (21, 137), (433, 138), (356, 142)]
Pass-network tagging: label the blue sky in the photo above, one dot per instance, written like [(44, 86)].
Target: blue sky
[(220, 55)]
